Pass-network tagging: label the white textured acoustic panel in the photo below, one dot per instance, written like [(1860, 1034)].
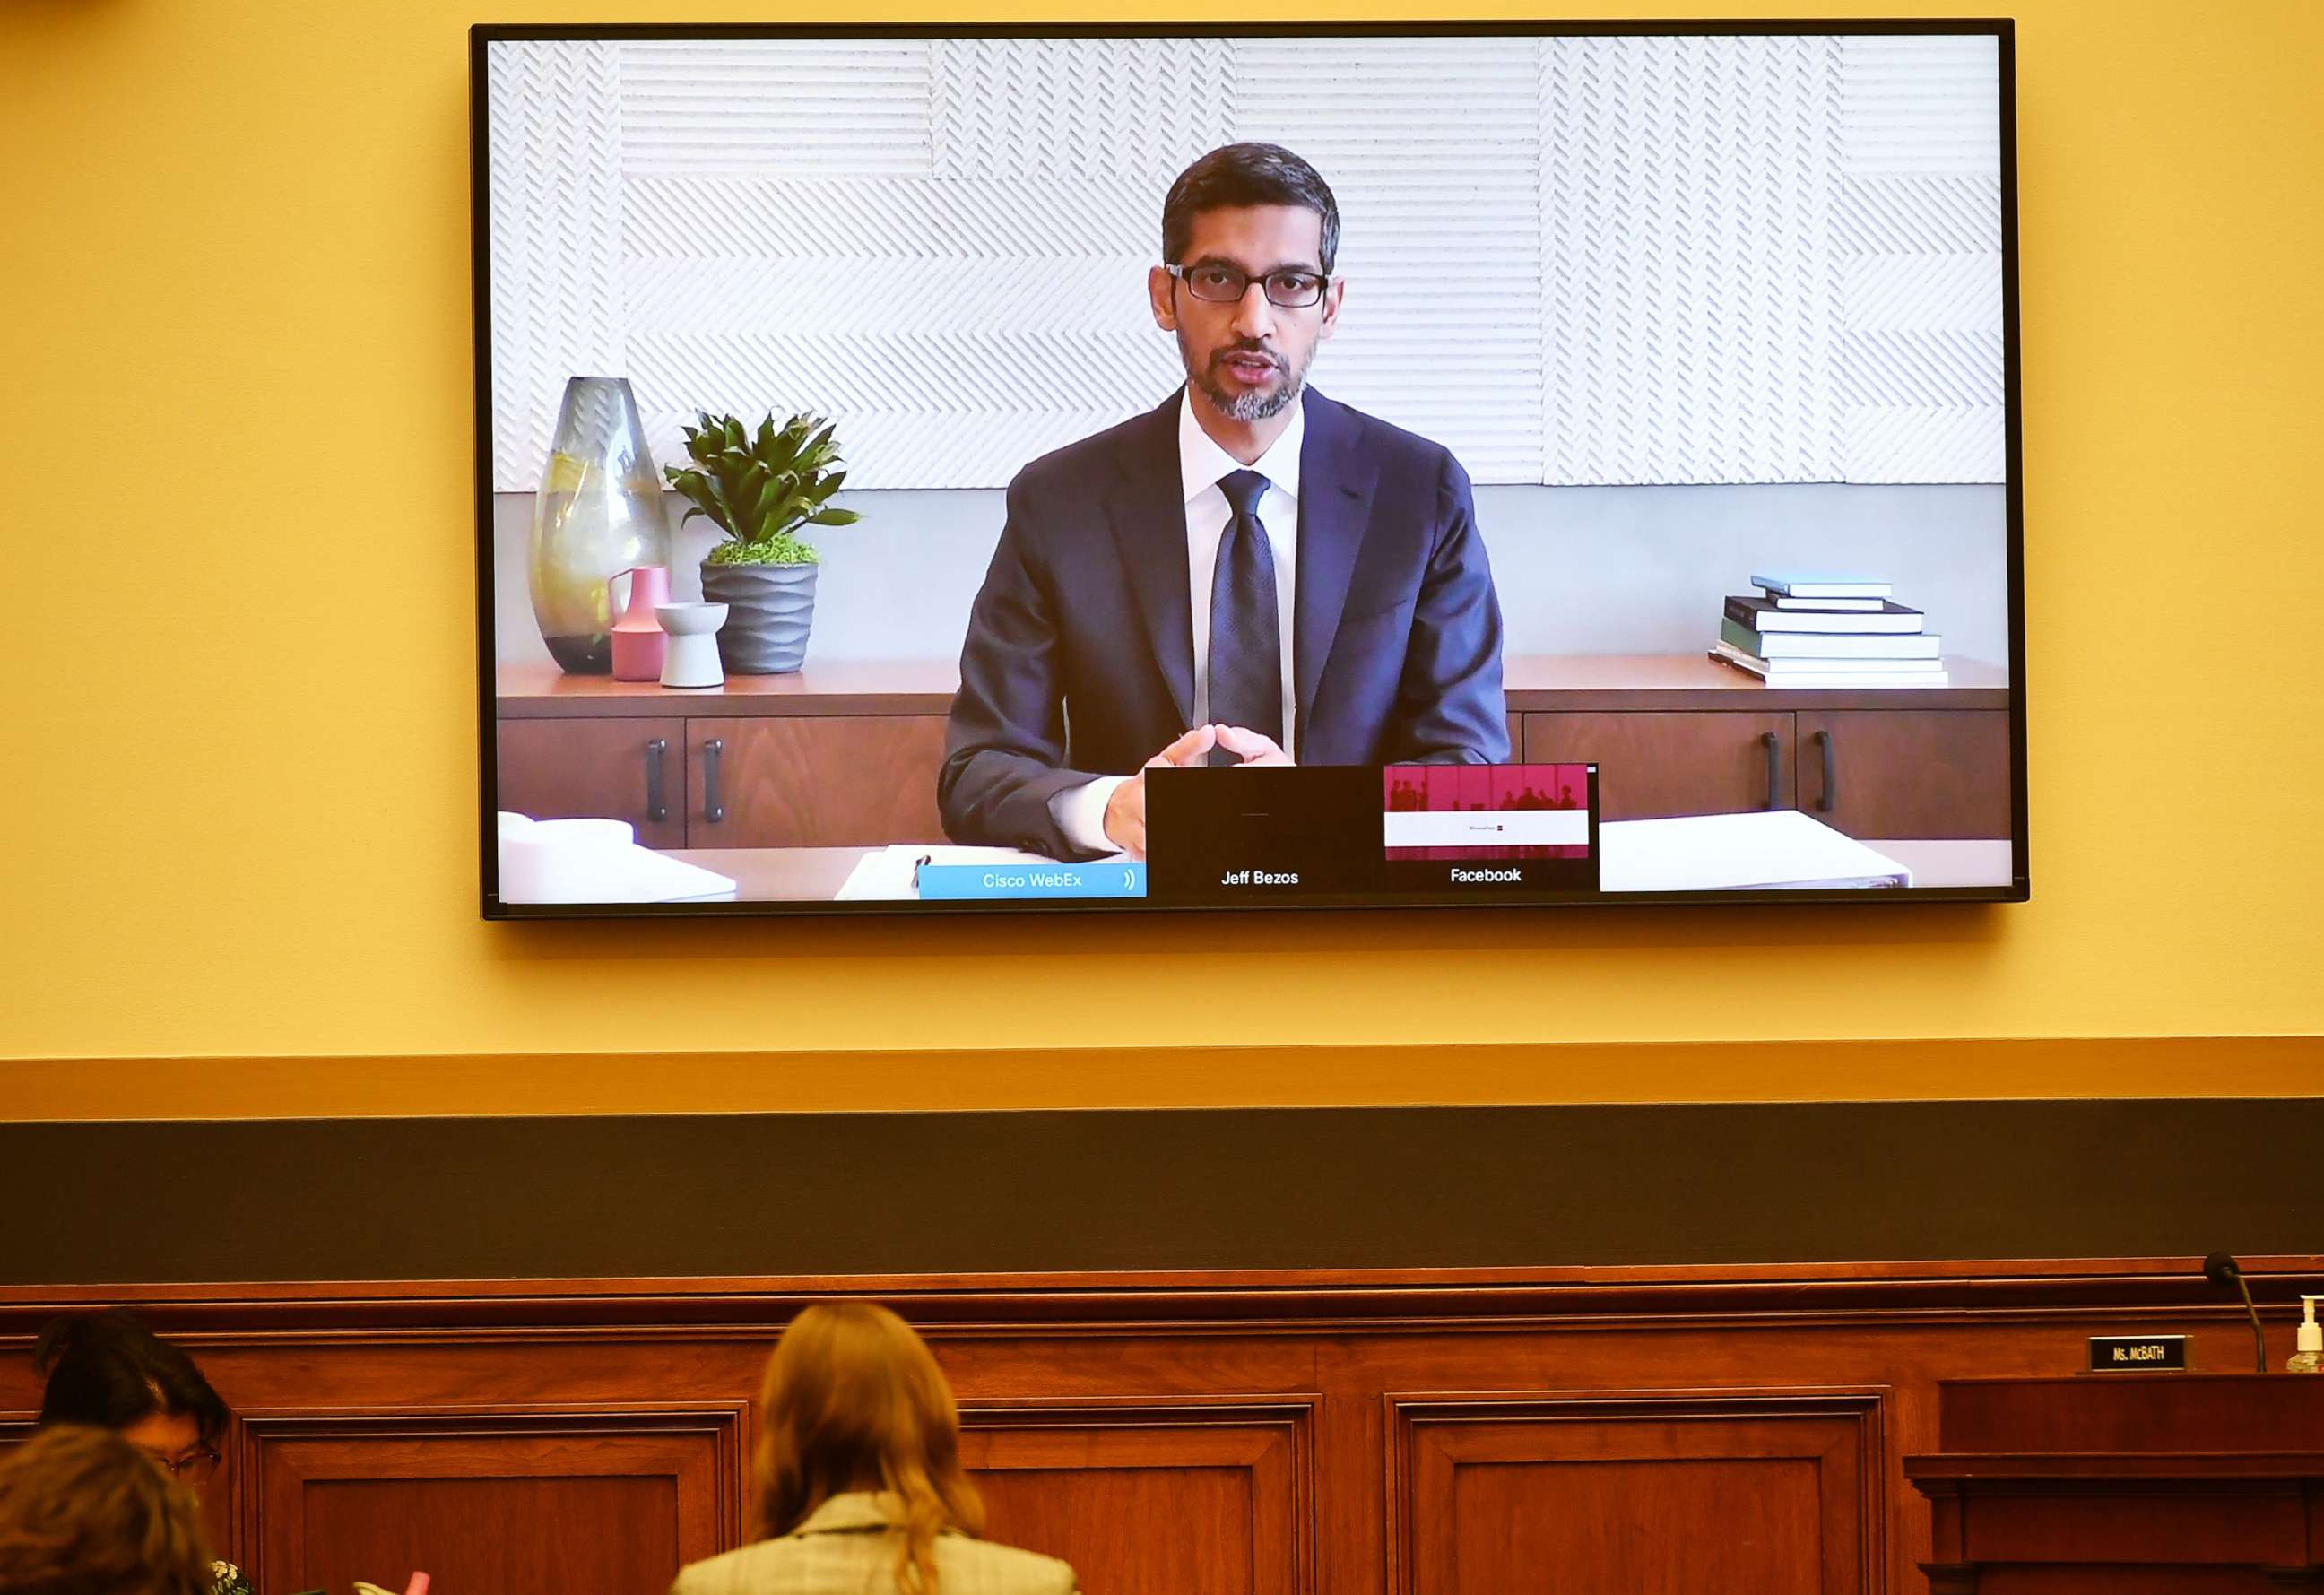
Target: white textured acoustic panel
[(556, 195), (1918, 241), (837, 108), (1126, 109), (1440, 228), (1689, 185), (1708, 259)]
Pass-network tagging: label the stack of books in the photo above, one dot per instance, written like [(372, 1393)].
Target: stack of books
[(1800, 630)]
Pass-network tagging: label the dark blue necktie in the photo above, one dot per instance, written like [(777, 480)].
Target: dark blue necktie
[(1246, 663)]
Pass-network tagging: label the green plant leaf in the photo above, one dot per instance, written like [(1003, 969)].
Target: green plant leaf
[(760, 485)]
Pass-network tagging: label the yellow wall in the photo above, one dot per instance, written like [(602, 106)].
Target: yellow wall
[(240, 743)]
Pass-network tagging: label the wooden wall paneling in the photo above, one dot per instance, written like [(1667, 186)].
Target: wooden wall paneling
[(1155, 1497), (1829, 1351), (609, 1500), (1746, 1492), (1105, 1411)]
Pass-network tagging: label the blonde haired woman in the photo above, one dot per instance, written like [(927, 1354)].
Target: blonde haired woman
[(860, 1490)]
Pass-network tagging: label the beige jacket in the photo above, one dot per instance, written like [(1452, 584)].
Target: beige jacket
[(842, 1549)]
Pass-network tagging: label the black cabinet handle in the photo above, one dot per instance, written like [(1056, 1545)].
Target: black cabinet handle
[(1775, 746), (1830, 796), (712, 810), (657, 805)]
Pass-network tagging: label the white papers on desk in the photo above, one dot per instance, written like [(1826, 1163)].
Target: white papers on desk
[(887, 876), (1761, 850), (593, 861)]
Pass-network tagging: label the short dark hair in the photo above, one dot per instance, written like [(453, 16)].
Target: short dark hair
[(108, 1371), (1235, 175)]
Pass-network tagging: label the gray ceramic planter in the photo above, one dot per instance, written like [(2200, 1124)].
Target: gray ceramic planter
[(769, 608)]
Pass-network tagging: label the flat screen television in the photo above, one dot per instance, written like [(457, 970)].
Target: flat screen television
[(1099, 469)]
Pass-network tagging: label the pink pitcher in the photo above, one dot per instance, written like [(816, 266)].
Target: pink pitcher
[(638, 638)]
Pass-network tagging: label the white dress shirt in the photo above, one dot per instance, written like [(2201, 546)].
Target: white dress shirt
[(1080, 811)]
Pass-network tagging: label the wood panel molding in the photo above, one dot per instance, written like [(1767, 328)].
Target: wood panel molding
[(1432, 1436), (280, 1457), (1288, 1300), (1264, 1449)]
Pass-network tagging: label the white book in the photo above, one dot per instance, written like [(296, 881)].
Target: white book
[(1760, 614), (1811, 669), (1839, 673), (1800, 586), (1807, 647)]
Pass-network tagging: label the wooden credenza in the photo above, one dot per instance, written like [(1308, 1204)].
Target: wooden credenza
[(846, 755)]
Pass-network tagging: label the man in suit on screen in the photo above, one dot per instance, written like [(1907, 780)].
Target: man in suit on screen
[(1248, 574)]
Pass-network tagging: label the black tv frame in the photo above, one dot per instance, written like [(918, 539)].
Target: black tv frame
[(482, 35)]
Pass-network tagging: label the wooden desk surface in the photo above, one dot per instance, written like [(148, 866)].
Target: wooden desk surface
[(815, 874), (1532, 682)]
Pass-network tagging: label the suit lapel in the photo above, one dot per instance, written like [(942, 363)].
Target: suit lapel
[(1335, 483), (1147, 508)]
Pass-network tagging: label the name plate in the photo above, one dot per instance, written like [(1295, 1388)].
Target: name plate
[(2127, 1353)]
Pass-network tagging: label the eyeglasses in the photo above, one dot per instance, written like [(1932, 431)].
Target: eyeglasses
[(196, 1466), (1226, 285)]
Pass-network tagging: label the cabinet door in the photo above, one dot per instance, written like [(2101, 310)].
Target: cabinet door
[(1906, 774), (609, 769), (1653, 765), (815, 780)]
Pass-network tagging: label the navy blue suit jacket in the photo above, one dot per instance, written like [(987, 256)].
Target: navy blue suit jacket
[(1080, 662)]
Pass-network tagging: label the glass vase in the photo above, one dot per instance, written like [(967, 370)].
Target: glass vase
[(599, 512)]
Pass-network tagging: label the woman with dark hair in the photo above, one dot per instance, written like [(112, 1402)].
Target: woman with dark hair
[(108, 1371), (81, 1514), (860, 1489)]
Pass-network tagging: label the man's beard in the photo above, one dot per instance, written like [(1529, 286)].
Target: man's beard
[(1252, 404)]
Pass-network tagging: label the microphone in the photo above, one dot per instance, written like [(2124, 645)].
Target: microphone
[(2222, 1270)]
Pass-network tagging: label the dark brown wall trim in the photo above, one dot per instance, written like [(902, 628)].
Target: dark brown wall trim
[(1292, 1188)]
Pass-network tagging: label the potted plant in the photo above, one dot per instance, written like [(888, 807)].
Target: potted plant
[(761, 489)]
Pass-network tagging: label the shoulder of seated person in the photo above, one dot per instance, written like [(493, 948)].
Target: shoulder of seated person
[(1017, 1568), (1409, 453), (1072, 464), (997, 1567), (729, 1568)]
